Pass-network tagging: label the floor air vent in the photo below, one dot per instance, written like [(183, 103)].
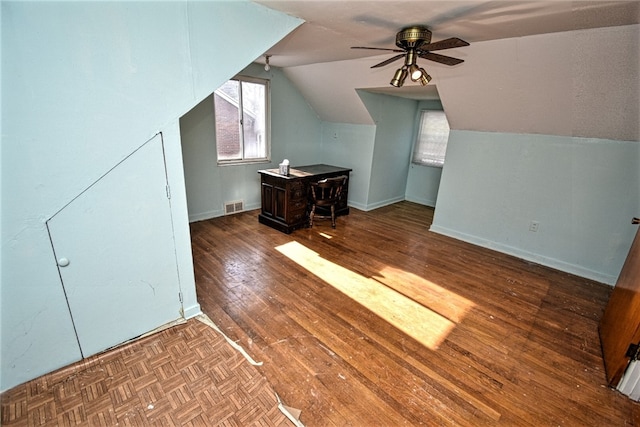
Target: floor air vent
[(233, 207)]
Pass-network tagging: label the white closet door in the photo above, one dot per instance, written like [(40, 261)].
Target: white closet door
[(116, 254)]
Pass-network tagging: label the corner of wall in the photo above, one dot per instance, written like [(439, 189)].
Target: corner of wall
[(192, 311)]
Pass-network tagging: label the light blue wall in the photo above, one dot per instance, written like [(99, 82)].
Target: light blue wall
[(295, 135), (83, 85), (350, 146), (395, 123), (583, 192), (423, 181), (378, 154)]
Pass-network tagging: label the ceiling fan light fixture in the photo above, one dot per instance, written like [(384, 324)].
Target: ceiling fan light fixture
[(399, 77), (416, 43), (415, 72), (425, 78)]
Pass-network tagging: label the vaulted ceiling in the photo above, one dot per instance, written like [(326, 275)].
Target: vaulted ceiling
[(332, 26), (528, 69)]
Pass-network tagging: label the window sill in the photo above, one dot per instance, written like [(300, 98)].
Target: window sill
[(430, 165), (243, 162)]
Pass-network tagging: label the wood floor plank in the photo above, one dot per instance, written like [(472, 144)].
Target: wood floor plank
[(523, 349)]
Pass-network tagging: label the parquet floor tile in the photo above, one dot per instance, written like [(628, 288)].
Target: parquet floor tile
[(187, 375)]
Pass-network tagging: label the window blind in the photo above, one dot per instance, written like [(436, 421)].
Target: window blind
[(431, 143)]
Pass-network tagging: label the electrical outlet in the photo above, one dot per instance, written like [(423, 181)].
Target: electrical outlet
[(533, 226)]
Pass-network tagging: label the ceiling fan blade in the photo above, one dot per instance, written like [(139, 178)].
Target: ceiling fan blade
[(388, 61), (376, 48), (446, 60), (449, 43)]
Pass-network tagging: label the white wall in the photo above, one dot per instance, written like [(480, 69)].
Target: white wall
[(579, 83), (331, 87), (83, 85)]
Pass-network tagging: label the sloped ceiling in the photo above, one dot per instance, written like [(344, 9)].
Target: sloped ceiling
[(532, 66), (332, 26)]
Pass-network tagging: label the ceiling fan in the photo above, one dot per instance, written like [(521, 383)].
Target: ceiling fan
[(415, 42)]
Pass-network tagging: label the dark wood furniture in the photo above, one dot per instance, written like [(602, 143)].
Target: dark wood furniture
[(325, 195), (620, 323), (285, 199)]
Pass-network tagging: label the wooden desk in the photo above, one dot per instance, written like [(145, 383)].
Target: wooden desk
[(285, 199)]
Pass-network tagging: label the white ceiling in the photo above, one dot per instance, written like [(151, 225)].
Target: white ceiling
[(332, 27), (533, 67)]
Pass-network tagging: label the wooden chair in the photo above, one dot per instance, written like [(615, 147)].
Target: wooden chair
[(325, 195)]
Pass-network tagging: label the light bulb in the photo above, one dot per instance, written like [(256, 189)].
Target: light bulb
[(415, 72)]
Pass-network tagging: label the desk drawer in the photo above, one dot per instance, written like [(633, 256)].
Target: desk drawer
[(297, 191), (296, 205), (297, 215)]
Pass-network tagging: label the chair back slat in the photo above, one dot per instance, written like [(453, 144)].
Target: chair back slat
[(326, 193), (328, 190)]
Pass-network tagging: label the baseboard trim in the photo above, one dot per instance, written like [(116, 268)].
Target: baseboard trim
[(425, 202), (193, 311), (203, 216), (358, 206), (526, 255)]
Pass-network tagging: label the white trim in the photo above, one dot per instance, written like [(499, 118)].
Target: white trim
[(427, 202), (384, 203), (192, 311), (202, 216), (526, 255), (267, 93), (629, 384), (358, 206)]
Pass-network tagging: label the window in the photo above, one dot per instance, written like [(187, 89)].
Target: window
[(242, 125), (431, 143)]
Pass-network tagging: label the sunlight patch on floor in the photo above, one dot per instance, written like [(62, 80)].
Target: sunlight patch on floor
[(407, 314), (441, 300)]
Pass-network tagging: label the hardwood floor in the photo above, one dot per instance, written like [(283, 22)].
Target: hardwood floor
[(380, 322)]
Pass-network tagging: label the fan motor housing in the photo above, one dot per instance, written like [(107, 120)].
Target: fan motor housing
[(413, 37)]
